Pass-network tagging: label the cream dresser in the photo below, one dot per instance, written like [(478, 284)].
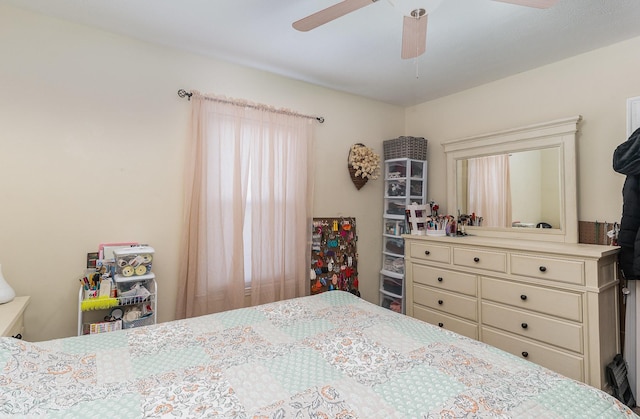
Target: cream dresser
[(12, 317), (554, 304)]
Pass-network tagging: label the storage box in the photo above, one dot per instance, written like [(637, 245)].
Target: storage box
[(393, 304), (405, 147), (393, 264), (395, 246), (104, 327), (134, 289), (392, 285), (133, 261), (394, 227)]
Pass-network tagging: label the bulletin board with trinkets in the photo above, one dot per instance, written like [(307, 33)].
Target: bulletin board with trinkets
[(334, 255)]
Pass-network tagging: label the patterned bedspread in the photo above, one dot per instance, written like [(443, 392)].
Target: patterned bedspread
[(331, 355)]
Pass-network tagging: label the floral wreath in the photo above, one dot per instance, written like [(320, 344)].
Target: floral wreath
[(365, 161)]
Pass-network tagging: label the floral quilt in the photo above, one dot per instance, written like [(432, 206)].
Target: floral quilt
[(331, 355)]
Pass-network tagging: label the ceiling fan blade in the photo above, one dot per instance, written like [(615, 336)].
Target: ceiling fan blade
[(538, 4), (329, 14), (414, 34)]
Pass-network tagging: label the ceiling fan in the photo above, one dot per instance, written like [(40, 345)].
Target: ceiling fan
[(414, 28)]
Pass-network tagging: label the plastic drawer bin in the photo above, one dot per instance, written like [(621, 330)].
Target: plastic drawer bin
[(135, 290), (133, 261), (394, 227), (395, 207), (393, 304), (395, 246), (395, 265), (392, 285)]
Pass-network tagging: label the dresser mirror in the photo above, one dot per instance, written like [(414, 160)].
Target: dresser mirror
[(518, 183)]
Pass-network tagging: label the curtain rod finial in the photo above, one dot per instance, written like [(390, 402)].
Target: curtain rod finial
[(183, 93)]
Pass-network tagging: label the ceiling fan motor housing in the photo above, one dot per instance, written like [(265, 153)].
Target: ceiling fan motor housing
[(418, 13)]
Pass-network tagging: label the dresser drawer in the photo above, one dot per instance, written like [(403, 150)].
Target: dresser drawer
[(566, 364), (445, 279), (482, 259), (458, 305), (430, 252), (552, 302), (460, 326), (544, 329), (569, 271)]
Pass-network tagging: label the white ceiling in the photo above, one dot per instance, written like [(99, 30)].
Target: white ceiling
[(469, 42)]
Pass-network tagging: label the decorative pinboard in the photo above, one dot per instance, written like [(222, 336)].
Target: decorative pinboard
[(334, 257)]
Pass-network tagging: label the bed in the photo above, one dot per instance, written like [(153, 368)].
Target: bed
[(329, 355)]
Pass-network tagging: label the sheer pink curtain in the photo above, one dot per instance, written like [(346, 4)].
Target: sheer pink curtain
[(490, 190), (248, 204)]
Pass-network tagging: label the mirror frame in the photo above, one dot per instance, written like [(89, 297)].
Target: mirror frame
[(560, 133)]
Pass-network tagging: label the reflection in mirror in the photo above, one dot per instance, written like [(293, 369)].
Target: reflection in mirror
[(517, 179), (519, 189)]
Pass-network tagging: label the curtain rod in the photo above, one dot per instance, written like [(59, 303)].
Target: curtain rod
[(183, 93)]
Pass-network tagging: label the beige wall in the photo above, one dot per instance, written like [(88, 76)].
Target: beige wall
[(92, 143), (92, 139), (594, 85)]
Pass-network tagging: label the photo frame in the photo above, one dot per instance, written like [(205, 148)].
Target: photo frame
[(633, 115)]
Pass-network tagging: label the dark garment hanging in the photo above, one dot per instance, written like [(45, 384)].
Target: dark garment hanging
[(626, 160)]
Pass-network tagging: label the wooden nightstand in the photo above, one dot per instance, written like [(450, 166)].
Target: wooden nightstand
[(12, 316)]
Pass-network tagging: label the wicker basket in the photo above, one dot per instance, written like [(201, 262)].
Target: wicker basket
[(358, 181), (405, 147)]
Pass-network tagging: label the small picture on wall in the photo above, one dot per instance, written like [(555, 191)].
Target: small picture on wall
[(92, 258), (633, 115)]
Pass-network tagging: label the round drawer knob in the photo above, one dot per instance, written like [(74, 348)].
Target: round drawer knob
[(476, 259), (524, 325), (543, 269), (441, 324), (440, 302), (523, 297), (426, 252), (525, 354), (440, 279)]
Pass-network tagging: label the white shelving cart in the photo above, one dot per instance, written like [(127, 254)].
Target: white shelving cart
[(132, 297), (405, 182)]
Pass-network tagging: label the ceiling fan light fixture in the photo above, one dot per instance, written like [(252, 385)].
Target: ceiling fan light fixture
[(414, 34), (418, 13)]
